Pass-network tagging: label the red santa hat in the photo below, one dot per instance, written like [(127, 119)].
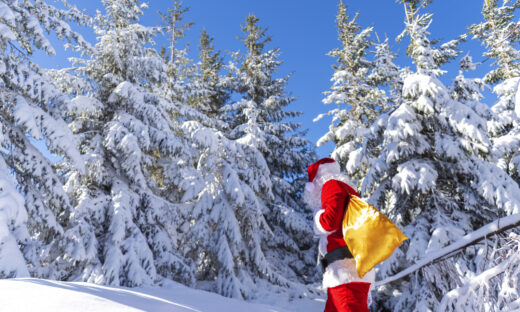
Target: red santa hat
[(319, 168)]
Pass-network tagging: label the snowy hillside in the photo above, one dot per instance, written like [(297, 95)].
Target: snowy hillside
[(37, 295)]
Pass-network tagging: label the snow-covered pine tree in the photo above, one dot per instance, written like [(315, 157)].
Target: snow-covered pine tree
[(227, 230), (184, 86), (181, 69), (260, 116), (224, 231), (389, 78), (494, 278), (32, 111), (176, 30), (385, 73), (430, 177), (133, 151), (208, 88), (259, 119), (223, 223), (222, 212), (355, 90), (499, 33)]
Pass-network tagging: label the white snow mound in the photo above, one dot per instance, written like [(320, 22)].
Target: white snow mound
[(37, 295)]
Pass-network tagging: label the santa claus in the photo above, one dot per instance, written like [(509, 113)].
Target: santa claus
[(328, 192)]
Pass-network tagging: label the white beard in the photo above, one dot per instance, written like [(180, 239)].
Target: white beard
[(313, 197)]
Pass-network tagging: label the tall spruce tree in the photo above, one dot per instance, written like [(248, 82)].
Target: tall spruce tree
[(223, 227), (236, 238), (260, 116), (135, 155), (355, 91), (432, 177), (224, 230), (180, 68), (176, 30), (260, 120), (494, 268), (31, 111), (388, 77), (499, 33), (209, 92), (386, 74)]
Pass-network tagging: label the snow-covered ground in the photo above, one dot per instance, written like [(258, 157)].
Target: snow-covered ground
[(36, 295)]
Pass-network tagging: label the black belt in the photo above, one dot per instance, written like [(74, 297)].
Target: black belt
[(337, 254)]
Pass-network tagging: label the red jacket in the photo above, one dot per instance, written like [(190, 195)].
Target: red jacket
[(334, 199)]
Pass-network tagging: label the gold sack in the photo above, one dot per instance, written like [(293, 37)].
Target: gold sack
[(370, 236)]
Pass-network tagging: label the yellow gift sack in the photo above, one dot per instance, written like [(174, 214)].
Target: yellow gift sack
[(370, 236)]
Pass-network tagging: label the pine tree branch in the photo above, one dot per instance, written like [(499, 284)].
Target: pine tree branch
[(498, 226)]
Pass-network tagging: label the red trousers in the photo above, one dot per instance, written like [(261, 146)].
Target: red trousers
[(350, 297)]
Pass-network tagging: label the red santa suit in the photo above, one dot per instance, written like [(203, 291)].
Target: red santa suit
[(345, 289)]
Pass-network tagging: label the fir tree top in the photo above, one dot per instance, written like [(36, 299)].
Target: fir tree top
[(122, 13), (211, 61), (174, 26), (354, 40), (427, 58), (254, 35)]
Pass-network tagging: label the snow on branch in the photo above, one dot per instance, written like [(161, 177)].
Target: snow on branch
[(498, 226), (480, 294)]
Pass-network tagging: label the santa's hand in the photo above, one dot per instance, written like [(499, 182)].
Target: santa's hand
[(318, 228)]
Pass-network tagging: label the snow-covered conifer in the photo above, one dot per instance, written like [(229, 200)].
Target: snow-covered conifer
[(493, 267), (388, 77), (431, 177), (31, 111), (355, 90), (175, 28), (385, 73), (180, 68), (240, 233), (499, 33), (224, 230), (260, 119), (208, 90), (132, 149)]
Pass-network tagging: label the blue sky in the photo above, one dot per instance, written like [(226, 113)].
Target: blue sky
[(305, 31)]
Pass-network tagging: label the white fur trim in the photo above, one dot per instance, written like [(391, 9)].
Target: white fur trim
[(344, 271), (318, 228)]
